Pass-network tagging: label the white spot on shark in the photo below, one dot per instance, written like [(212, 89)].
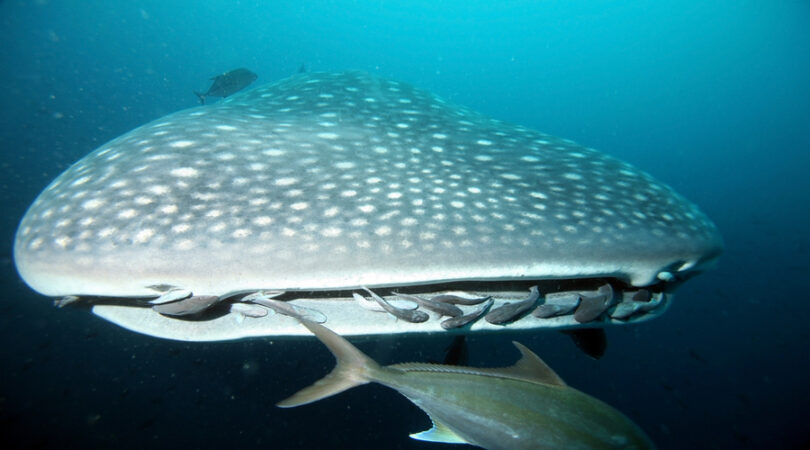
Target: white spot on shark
[(181, 144), (184, 172)]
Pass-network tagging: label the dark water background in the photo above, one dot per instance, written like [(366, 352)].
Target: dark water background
[(711, 97)]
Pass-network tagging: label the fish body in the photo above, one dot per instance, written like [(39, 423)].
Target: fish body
[(228, 83), (525, 406)]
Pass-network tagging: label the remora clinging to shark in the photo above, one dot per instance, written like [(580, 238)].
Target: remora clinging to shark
[(525, 406), (290, 198)]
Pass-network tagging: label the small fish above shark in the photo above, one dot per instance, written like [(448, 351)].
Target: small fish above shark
[(228, 83), (525, 406)]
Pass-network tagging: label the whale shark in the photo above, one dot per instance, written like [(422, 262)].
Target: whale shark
[(362, 202)]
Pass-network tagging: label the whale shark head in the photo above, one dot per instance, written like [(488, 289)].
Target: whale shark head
[(323, 183)]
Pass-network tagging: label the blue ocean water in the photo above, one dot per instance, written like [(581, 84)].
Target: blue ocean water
[(712, 98)]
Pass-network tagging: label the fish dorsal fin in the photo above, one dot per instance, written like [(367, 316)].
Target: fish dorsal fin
[(439, 433), (530, 367)]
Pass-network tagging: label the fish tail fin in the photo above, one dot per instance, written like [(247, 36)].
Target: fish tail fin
[(202, 97), (353, 368)]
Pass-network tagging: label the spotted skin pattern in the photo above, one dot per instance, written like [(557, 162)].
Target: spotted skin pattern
[(341, 180)]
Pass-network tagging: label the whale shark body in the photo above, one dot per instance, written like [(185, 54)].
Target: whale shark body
[(361, 202)]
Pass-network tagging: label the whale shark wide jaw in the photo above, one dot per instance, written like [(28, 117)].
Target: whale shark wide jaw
[(339, 196)]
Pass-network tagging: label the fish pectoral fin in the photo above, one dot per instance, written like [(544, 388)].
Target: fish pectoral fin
[(439, 433)]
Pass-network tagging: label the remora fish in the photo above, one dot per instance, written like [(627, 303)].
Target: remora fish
[(228, 83), (525, 406)]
